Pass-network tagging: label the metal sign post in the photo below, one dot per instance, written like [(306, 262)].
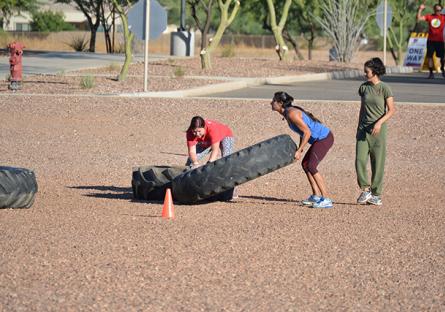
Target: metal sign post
[(383, 19), (385, 30), (147, 19), (147, 32)]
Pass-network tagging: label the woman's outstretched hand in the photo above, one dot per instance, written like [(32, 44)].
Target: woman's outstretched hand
[(298, 154)]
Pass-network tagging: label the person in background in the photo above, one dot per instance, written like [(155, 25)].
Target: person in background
[(435, 42), (312, 132), (377, 107)]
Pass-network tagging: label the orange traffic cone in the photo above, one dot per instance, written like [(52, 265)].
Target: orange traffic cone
[(168, 211)]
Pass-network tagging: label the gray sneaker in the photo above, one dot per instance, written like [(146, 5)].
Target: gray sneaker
[(375, 200), (364, 197)]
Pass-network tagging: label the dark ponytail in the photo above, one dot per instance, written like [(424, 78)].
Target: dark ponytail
[(286, 101), (376, 66)]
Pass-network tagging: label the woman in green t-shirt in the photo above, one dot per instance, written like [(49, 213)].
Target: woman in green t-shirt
[(377, 106)]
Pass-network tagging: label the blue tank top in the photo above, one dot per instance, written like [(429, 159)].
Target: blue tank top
[(318, 130)]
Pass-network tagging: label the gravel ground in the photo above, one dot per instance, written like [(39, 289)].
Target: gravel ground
[(86, 245)]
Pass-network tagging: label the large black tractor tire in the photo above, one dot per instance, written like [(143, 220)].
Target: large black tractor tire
[(235, 169), (151, 182), (18, 187)]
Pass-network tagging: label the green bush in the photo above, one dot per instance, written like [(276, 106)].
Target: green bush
[(228, 51), (179, 72), (87, 82), (48, 21)]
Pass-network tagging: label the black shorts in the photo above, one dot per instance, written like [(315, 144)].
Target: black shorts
[(435, 46)]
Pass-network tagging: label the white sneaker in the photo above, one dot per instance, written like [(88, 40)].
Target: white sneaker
[(323, 203), (375, 200), (364, 197), (310, 200)]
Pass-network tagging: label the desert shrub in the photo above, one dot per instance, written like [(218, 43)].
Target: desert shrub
[(4, 39), (47, 21), (228, 51), (87, 82), (114, 67), (179, 72), (79, 44), (119, 47)]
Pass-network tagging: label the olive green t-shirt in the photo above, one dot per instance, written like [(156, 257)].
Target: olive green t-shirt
[(373, 98)]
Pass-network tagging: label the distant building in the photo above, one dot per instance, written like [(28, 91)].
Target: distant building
[(22, 21)]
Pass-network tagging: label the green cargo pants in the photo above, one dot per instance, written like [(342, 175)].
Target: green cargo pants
[(373, 147)]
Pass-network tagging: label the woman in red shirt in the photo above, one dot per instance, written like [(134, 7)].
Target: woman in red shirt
[(207, 136)]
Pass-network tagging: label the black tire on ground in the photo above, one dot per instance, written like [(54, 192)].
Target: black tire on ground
[(18, 187), (151, 182), (235, 169)]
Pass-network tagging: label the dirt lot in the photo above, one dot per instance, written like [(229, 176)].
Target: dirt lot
[(86, 245)]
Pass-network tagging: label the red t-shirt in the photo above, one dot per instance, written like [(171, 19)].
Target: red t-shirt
[(215, 132), (436, 24)]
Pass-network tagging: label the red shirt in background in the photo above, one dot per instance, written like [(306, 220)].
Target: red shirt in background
[(215, 132), (436, 24)]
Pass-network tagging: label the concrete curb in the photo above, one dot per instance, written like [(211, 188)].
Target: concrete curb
[(251, 82)]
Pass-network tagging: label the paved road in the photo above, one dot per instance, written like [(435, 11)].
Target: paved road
[(38, 62), (413, 87)]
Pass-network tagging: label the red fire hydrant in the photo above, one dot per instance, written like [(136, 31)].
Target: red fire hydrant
[(15, 62)]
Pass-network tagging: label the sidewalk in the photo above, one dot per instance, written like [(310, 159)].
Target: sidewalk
[(240, 83)]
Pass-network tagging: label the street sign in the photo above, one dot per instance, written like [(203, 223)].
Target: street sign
[(416, 50), (158, 19), (379, 16)]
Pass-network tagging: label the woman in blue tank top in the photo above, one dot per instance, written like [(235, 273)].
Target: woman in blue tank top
[(312, 132)]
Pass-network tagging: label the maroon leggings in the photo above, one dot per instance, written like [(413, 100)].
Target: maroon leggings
[(316, 153)]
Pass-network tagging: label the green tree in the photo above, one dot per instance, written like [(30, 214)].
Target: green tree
[(122, 7), (305, 12), (9, 7), (277, 28), (47, 21), (173, 8), (343, 21), (402, 22), (251, 19), (227, 12), (92, 11), (291, 29)]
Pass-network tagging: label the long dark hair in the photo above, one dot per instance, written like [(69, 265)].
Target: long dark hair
[(286, 101), (196, 122)]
